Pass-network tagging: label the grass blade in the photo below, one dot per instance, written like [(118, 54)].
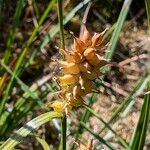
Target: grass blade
[(15, 24), (61, 28), (97, 136), (147, 3), (142, 126), (22, 55), (24, 87), (19, 135), (120, 139), (127, 100), (43, 143), (53, 31), (118, 27), (1, 9)]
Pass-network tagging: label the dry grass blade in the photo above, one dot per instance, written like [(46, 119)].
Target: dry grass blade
[(19, 135)]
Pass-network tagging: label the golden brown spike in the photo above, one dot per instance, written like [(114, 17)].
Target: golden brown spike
[(80, 68), (87, 85), (78, 101), (86, 36), (95, 60), (102, 49), (89, 53), (77, 91), (69, 68), (58, 106), (68, 79), (98, 38), (79, 46), (85, 67)]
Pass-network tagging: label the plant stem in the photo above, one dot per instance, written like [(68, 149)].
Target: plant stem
[(60, 18), (64, 119), (63, 130)]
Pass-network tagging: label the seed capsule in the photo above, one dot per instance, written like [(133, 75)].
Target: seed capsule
[(97, 38), (91, 75), (97, 60), (85, 67), (79, 46), (77, 91), (89, 53), (60, 106), (74, 57), (68, 79), (87, 85), (70, 68), (85, 36), (77, 102)]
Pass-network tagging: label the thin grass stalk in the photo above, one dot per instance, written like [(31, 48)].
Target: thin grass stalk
[(120, 139), (100, 139), (53, 31), (147, 3), (22, 55), (64, 131), (1, 9), (119, 25), (126, 101), (84, 118), (139, 135), (11, 36), (24, 131), (61, 28), (60, 18)]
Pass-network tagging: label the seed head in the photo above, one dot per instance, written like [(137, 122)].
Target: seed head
[(79, 70)]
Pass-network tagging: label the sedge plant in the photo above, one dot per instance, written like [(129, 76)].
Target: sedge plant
[(79, 68)]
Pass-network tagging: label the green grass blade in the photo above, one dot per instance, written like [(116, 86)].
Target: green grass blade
[(141, 82), (22, 107), (98, 137), (11, 37), (61, 28), (1, 9), (24, 87), (118, 27), (147, 3), (142, 126), (43, 143), (120, 139), (22, 55), (53, 31), (60, 18), (85, 116), (19, 135)]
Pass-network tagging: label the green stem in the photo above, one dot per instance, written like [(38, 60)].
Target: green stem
[(147, 4), (64, 119), (60, 18), (63, 130)]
